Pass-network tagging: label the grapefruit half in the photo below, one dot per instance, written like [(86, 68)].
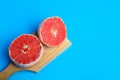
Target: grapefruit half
[(52, 31), (26, 50)]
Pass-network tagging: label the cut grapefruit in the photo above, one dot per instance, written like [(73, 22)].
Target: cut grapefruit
[(26, 50), (52, 31)]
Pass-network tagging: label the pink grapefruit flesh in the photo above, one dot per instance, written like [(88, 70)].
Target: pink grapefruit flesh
[(26, 50), (52, 31)]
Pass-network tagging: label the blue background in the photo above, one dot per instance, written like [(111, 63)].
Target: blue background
[(93, 26)]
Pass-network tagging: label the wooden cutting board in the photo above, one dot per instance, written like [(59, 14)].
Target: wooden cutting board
[(49, 55)]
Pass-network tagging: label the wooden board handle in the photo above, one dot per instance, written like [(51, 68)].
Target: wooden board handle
[(8, 71), (48, 56)]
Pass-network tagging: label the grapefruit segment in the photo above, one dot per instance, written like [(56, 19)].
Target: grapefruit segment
[(52, 31), (26, 50)]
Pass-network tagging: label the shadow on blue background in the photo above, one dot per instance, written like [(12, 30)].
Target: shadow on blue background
[(93, 26)]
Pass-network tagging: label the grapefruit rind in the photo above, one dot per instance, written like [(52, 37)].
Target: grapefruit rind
[(28, 64), (40, 27)]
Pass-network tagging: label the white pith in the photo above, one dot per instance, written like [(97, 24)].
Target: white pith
[(31, 63), (25, 47), (40, 36), (54, 32)]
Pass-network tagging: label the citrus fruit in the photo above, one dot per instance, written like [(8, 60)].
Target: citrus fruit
[(52, 31), (25, 50)]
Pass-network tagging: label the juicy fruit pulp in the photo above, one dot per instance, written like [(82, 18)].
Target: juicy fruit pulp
[(26, 50), (52, 31)]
